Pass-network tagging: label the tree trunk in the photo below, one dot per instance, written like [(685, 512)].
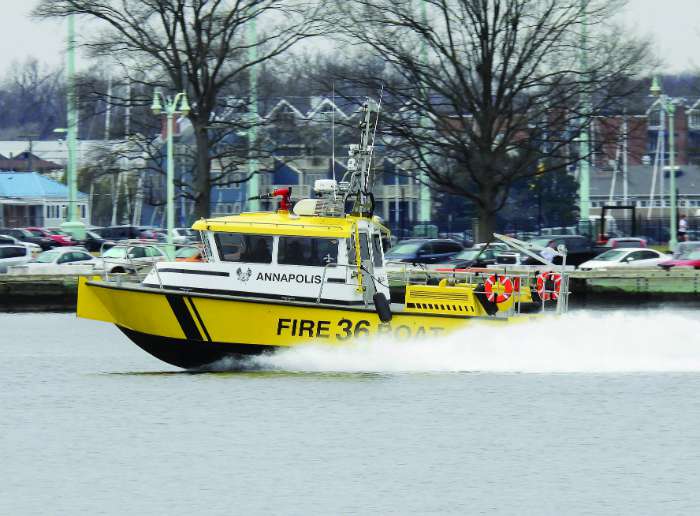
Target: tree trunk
[(487, 224), (202, 180)]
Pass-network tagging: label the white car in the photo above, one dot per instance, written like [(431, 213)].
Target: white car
[(622, 258), (61, 260), (131, 258), (10, 240), (184, 236), (13, 255)]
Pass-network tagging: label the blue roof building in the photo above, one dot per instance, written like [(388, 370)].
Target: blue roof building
[(30, 199)]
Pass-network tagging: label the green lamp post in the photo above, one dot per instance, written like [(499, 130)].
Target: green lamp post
[(668, 105), (72, 225), (172, 106)]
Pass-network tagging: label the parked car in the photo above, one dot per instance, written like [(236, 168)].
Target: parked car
[(130, 258), (579, 248), (127, 233), (185, 236), (59, 237), (27, 236), (626, 242), (463, 237), (10, 240), (472, 257), (689, 258), (62, 257), (13, 255), (500, 246), (423, 251), (514, 258), (152, 234), (622, 258), (189, 254), (95, 243), (685, 247)]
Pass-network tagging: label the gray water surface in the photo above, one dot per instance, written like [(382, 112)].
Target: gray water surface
[(90, 424)]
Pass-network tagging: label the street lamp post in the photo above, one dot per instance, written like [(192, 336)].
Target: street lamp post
[(172, 106), (668, 105), (72, 224)]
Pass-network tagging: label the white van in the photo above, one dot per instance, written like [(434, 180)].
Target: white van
[(13, 255)]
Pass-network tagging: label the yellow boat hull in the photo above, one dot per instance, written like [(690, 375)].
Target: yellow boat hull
[(191, 329)]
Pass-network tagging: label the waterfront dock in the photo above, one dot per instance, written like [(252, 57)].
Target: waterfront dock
[(33, 292), (678, 282), (38, 292)]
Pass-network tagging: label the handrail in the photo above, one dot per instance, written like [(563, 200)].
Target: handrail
[(251, 223), (334, 265), (323, 280), (404, 265), (127, 261), (358, 256)]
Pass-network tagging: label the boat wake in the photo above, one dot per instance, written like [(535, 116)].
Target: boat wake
[(585, 342)]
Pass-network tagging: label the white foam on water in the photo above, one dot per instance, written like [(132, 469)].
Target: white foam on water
[(587, 342)]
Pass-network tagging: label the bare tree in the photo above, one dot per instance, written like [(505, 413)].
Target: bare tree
[(31, 100), (482, 93), (203, 47)]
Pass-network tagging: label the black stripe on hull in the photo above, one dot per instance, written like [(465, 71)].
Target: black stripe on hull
[(183, 316), (199, 318), (191, 354)]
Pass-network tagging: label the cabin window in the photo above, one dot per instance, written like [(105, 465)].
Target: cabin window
[(364, 247), (386, 243), (352, 254), (136, 252), (377, 250), (307, 251), (235, 247)]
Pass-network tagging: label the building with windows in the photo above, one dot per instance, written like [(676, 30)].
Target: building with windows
[(299, 133), (642, 143), (30, 199)]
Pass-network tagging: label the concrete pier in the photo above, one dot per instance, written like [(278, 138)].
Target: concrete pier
[(676, 283), (29, 293)]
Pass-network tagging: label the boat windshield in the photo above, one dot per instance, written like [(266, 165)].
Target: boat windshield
[(404, 248), (610, 256), (115, 252), (236, 247), (47, 257), (307, 251)]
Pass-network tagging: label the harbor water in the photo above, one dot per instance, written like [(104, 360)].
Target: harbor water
[(596, 413)]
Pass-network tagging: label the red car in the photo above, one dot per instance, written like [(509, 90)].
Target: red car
[(59, 237), (690, 258)]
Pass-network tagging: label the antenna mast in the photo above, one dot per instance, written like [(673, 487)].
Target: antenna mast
[(333, 137), (359, 162)]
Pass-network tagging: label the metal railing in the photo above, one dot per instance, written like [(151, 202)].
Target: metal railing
[(419, 275), (353, 267), (131, 270)]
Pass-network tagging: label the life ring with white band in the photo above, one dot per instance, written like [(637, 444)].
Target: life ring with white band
[(551, 280), (498, 288)]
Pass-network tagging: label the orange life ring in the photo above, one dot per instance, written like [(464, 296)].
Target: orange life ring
[(542, 291), (499, 295)]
